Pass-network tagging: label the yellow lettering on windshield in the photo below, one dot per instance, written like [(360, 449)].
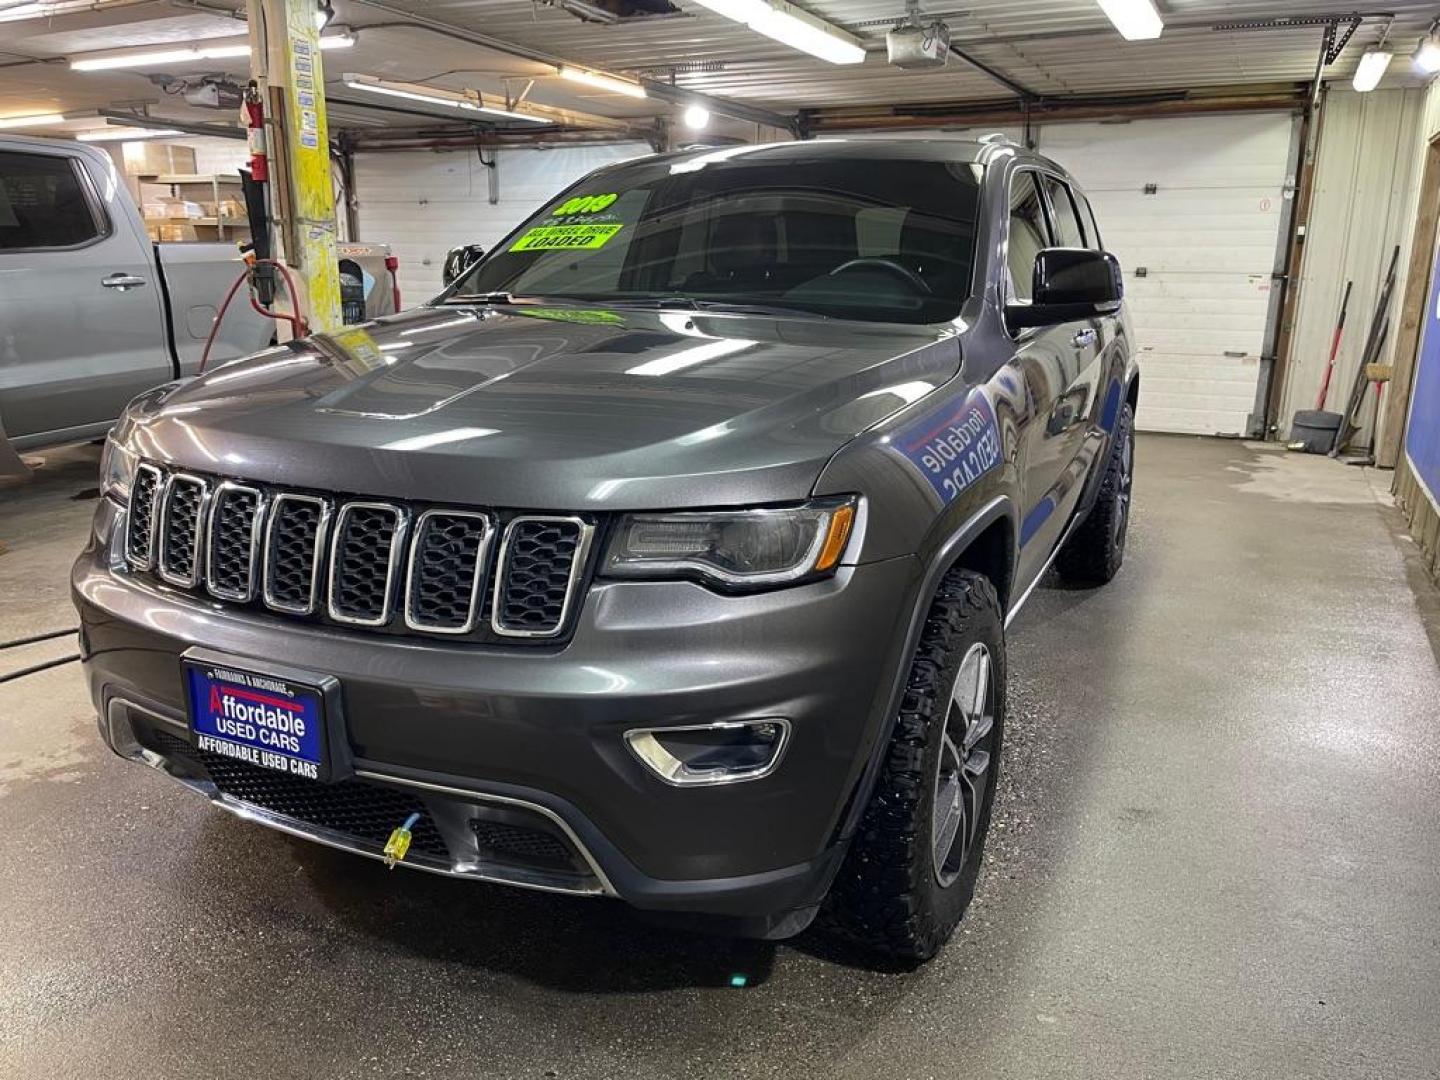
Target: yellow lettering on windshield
[(585, 204)]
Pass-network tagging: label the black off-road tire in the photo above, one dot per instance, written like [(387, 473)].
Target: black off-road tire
[(889, 895), (1093, 554)]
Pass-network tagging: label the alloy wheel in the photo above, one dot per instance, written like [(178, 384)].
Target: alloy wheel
[(963, 774)]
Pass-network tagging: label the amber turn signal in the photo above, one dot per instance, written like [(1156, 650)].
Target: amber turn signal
[(839, 532)]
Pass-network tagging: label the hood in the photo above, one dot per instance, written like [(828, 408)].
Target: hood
[(551, 408)]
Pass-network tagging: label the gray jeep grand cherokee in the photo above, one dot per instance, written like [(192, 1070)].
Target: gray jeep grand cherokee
[(667, 555)]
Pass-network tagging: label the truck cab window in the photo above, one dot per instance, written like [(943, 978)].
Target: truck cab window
[(43, 203)]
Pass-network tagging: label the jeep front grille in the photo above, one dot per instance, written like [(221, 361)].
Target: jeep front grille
[(140, 531), (182, 516), (483, 574), (237, 519), (539, 558)]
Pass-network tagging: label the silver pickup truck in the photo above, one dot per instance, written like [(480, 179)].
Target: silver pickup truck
[(91, 311)]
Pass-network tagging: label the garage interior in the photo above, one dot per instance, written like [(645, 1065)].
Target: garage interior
[(1213, 844)]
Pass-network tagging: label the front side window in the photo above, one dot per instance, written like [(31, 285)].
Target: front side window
[(43, 203), (876, 240), (1068, 232), (1028, 234)]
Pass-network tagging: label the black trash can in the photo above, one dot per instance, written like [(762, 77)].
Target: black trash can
[(1314, 431)]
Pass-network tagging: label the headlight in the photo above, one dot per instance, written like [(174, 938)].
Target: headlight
[(117, 471), (737, 548)]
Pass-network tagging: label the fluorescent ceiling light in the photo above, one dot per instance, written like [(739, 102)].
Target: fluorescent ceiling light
[(125, 134), (600, 81), (789, 25), (687, 358), (1137, 20), (1372, 67), (465, 100), (696, 117), (1426, 56), (37, 120), (155, 56)]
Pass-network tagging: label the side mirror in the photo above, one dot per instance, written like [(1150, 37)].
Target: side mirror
[(458, 260), (1070, 284)]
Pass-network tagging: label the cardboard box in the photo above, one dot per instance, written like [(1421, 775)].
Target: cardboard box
[(148, 158)]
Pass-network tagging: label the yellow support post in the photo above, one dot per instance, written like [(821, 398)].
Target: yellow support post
[(285, 57)]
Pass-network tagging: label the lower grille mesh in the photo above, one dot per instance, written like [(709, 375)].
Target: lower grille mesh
[(514, 842), (352, 807)]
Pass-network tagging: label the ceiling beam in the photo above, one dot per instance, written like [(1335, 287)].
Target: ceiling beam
[(664, 91)]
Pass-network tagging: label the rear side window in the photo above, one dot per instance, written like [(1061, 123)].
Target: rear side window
[(43, 203), (1068, 232), (1028, 234)]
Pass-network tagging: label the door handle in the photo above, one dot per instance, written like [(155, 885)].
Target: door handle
[(122, 282), (1083, 338)]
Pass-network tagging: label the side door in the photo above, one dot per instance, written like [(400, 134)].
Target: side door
[(1044, 361), (82, 326)]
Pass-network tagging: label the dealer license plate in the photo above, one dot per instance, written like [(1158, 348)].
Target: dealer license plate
[(260, 719)]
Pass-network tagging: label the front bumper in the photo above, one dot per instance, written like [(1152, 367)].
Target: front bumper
[(481, 731)]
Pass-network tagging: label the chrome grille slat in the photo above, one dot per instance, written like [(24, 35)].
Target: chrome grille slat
[(232, 553), (446, 572), (294, 552), (141, 520), (368, 537), (182, 529), (534, 582)]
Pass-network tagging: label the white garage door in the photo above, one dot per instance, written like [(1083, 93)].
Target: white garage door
[(422, 203), (1206, 240)]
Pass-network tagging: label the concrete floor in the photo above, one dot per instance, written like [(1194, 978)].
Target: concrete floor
[(1214, 856)]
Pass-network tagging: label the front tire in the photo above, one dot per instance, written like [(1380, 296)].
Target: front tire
[(911, 869), (1092, 556)]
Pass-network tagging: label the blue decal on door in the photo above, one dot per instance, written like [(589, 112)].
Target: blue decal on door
[(954, 445), (1112, 406), (1035, 518)]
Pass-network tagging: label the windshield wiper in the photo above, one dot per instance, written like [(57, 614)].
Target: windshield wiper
[(482, 298)]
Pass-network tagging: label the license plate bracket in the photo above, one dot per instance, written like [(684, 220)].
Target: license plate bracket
[(264, 714)]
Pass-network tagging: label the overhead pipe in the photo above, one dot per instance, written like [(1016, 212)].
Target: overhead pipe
[(1056, 110)]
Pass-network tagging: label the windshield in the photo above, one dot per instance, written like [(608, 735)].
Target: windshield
[(851, 238)]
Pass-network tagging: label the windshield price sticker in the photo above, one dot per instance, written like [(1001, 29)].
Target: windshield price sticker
[(585, 204), (566, 238), (955, 446)]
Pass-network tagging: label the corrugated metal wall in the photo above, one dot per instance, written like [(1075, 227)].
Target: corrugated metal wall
[(1364, 199), (423, 202)]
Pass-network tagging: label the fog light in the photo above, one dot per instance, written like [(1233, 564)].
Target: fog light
[(723, 753)]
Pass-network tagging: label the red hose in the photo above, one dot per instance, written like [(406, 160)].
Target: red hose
[(297, 322)]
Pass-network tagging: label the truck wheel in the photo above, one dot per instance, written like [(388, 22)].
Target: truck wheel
[(1093, 555), (911, 868)]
